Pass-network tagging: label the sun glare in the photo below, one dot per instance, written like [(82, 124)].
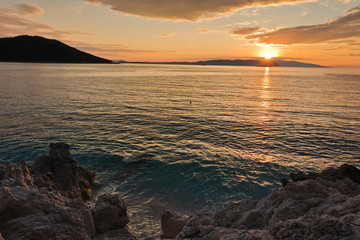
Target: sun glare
[(268, 56)]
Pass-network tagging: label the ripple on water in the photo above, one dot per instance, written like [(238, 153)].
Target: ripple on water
[(218, 134)]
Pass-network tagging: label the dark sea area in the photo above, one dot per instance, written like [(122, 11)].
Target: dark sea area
[(182, 137)]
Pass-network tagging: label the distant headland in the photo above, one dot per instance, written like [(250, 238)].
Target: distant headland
[(36, 49), (240, 62), (42, 50)]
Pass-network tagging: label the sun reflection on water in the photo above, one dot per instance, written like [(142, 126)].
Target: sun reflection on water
[(265, 96)]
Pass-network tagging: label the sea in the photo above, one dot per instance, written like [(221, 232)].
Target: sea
[(182, 137)]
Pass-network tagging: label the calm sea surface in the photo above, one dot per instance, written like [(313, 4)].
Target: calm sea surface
[(217, 134)]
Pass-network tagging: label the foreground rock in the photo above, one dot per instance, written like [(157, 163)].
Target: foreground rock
[(314, 206), (44, 202), (172, 223)]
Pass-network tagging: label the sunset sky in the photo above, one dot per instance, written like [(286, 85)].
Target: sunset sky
[(323, 32)]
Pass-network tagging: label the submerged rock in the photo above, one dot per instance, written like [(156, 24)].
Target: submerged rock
[(44, 201)]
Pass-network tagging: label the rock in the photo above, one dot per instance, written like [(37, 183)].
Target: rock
[(61, 166), (116, 234), (330, 174), (87, 183), (44, 201), (200, 226), (172, 223), (27, 212), (322, 205), (110, 213), (312, 228)]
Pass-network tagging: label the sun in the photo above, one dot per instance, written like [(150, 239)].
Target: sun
[(268, 56)]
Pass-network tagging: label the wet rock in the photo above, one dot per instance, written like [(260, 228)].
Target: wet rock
[(87, 183), (172, 223), (110, 213)]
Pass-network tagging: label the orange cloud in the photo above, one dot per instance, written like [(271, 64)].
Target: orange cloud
[(168, 34), (244, 30), (29, 9), (14, 22), (111, 51), (202, 30), (191, 10), (345, 27)]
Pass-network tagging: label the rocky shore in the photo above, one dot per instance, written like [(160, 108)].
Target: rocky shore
[(51, 200)]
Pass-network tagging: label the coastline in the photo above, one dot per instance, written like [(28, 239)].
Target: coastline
[(51, 198)]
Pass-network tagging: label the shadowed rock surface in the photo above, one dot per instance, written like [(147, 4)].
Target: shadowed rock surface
[(172, 223), (322, 205), (44, 201), (110, 213)]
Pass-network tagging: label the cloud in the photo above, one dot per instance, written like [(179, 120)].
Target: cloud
[(192, 10), (14, 22), (168, 34), (111, 51), (344, 27), (244, 30), (202, 30), (29, 9)]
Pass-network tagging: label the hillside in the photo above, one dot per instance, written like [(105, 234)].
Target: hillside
[(39, 49)]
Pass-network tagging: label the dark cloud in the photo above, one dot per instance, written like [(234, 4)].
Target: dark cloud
[(29, 9), (192, 10), (244, 30), (345, 27)]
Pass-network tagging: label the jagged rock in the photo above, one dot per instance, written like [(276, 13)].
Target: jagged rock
[(331, 174), (110, 213), (116, 234), (312, 227), (200, 226), (29, 212), (322, 205), (87, 183), (61, 166), (172, 223), (44, 202)]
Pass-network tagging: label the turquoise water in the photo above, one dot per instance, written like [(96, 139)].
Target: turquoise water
[(217, 134)]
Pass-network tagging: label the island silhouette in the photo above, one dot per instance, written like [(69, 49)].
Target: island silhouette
[(38, 49)]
